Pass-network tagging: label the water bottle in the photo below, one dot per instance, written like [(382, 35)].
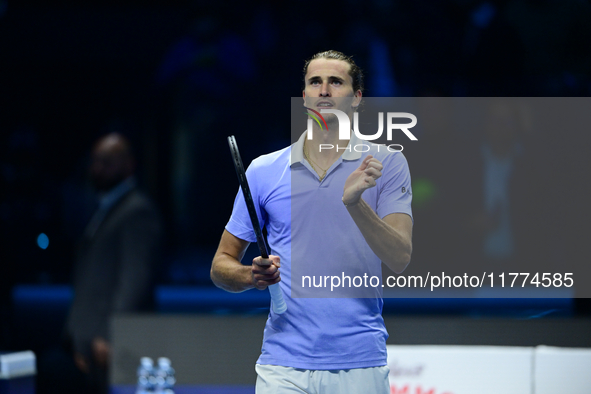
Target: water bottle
[(145, 376), (165, 377)]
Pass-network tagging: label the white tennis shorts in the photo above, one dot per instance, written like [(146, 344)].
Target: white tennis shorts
[(274, 379)]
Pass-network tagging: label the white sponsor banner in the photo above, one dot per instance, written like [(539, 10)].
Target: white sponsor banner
[(460, 369), (562, 370), (15, 365)]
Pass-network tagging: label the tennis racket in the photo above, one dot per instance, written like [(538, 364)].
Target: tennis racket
[(277, 301)]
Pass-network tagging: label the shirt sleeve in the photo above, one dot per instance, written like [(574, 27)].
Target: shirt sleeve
[(396, 192), (240, 224)]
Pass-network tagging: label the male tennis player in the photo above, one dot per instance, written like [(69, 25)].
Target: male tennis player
[(342, 208)]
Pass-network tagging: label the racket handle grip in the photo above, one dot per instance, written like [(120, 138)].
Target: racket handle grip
[(277, 302)]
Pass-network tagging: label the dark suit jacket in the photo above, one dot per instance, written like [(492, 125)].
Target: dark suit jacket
[(115, 269)]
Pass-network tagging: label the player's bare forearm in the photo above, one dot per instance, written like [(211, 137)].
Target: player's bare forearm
[(227, 272), (389, 238)]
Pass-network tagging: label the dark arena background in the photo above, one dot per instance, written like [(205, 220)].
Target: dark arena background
[(177, 77)]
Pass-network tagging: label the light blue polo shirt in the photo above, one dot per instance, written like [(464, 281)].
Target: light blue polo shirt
[(312, 232)]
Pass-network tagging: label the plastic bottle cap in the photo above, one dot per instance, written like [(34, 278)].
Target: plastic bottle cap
[(146, 362), (164, 361)]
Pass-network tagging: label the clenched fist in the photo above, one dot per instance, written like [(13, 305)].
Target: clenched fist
[(363, 178)]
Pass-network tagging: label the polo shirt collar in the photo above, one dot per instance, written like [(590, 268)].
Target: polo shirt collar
[(297, 150)]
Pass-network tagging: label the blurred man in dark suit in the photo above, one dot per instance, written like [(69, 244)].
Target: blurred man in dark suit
[(116, 262)]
